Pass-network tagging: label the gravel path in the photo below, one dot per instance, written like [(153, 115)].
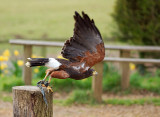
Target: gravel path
[(95, 111), (107, 111), (6, 109)]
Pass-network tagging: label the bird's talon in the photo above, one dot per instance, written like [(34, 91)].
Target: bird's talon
[(46, 83), (49, 89), (43, 85), (40, 82)]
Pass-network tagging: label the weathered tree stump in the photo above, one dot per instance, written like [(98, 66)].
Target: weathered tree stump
[(28, 102)]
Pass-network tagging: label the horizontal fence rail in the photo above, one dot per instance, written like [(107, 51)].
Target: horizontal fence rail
[(60, 44), (36, 43), (131, 60)]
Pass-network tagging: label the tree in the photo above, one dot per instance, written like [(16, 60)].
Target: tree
[(138, 21)]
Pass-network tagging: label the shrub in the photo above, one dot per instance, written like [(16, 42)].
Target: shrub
[(145, 82), (111, 78), (138, 21), (8, 82), (80, 97), (68, 85), (17, 69), (39, 72)]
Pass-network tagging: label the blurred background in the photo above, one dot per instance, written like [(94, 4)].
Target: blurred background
[(121, 22)]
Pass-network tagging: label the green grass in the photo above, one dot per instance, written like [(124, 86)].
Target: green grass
[(111, 79), (80, 97), (86, 97), (59, 85), (51, 18), (146, 82), (6, 83), (81, 93), (7, 99), (111, 82), (68, 85), (128, 102)]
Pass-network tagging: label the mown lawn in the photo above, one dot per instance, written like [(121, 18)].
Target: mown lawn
[(51, 18)]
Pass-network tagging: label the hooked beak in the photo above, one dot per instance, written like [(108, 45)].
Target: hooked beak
[(95, 73)]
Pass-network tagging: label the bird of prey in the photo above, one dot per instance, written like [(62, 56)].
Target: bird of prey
[(81, 52)]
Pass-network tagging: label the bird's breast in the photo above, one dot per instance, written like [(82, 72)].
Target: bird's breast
[(80, 67)]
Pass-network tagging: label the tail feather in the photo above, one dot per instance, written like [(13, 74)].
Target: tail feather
[(37, 62)]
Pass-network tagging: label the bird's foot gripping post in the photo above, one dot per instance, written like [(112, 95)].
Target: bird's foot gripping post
[(42, 84)]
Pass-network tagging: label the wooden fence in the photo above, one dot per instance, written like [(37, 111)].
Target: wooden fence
[(124, 59)]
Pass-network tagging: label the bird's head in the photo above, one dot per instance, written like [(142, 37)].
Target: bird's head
[(94, 73), (91, 72)]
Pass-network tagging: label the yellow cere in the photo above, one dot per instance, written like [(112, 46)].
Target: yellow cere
[(6, 53), (132, 66), (36, 70), (16, 53), (20, 63), (61, 57)]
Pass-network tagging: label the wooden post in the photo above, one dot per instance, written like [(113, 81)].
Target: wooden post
[(125, 75), (97, 82), (28, 102), (27, 72)]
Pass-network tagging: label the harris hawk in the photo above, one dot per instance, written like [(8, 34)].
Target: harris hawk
[(81, 53)]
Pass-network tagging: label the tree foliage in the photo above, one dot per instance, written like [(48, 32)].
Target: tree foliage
[(138, 21)]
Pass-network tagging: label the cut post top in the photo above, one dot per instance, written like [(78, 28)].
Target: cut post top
[(27, 88)]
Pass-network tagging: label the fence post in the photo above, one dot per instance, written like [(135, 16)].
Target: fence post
[(27, 72), (125, 75), (28, 102), (97, 82)]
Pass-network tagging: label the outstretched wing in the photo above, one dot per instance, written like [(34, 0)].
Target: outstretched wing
[(86, 45)]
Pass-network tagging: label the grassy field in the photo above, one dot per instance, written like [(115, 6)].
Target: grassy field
[(51, 18)]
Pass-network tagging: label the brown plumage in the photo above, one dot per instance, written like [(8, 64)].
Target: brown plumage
[(83, 51), (86, 43)]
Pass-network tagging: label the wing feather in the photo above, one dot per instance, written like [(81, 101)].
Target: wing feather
[(86, 43)]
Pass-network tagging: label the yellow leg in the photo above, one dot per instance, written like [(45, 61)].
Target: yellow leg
[(47, 74), (49, 80), (45, 83), (48, 87)]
